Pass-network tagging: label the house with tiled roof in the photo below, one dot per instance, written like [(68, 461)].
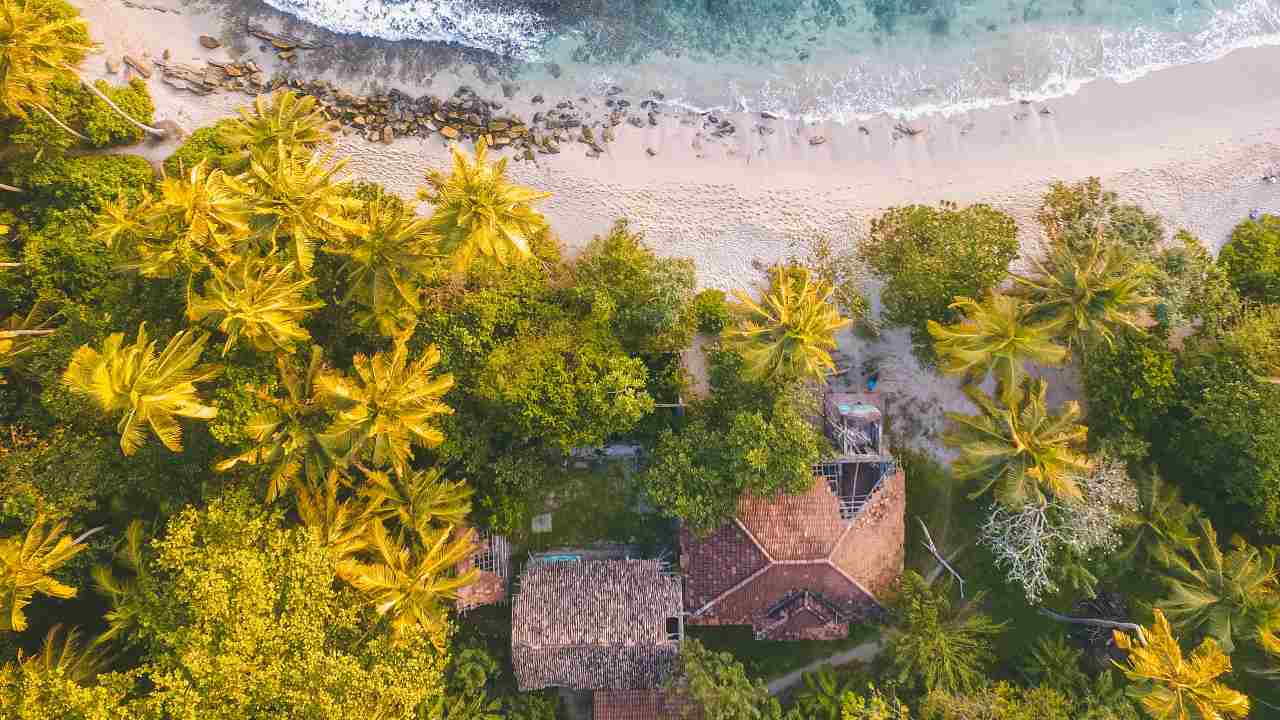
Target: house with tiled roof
[(595, 624), (651, 704), (490, 557), (803, 567)]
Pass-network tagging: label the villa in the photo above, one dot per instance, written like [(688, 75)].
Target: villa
[(803, 567)]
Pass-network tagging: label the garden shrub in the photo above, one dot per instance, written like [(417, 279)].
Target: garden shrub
[(1252, 258), (203, 144), (710, 311)]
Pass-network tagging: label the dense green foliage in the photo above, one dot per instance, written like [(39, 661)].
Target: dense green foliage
[(930, 256), (1252, 258)]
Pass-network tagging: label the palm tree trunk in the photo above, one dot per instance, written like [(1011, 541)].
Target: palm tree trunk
[(1096, 622), (9, 188), (25, 333), (154, 132), (8, 265), (59, 123)]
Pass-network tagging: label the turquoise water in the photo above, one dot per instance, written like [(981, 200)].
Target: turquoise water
[(840, 59)]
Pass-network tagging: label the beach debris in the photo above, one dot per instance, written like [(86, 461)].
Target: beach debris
[(864, 129), (817, 140), (1021, 115), (650, 152), (166, 54), (113, 66), (656, 95), (536, 100), (210, 43), (1046, 111), (765, 114), (139, 65), (613, 90)]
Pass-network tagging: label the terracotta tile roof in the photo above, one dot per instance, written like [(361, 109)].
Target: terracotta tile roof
[(754, 599), (872, 551), (795, 527), (716, 563), (653, 704), (594, 624)]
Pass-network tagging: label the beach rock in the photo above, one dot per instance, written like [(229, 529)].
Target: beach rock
[(449, 132), (554, 69), (657, 95), (864, 130), (210, 43), (140, 66), (166, 54), (588, 136), (608, 135), (359, 121), (613, 90), (653, 119), (636, 121), (1045, 111), (536, 100), (113, 66), (650, 152), (817, 140), (765, 114), (388, 135), (909, 129), (509, 90)]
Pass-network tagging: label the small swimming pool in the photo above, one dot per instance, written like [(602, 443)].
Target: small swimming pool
[(559, 558)]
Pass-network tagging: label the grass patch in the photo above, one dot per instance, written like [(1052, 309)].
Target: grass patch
[(766, 659), (600, 505)]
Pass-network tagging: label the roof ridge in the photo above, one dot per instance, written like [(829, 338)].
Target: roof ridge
[(751, 536), (851, 579)]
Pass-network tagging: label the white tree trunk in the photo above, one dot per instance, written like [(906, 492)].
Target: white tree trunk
[(59, 123), (154, 132)]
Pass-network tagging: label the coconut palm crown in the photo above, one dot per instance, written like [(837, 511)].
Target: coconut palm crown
[(256, 299), (27, 563), (997, 337), (1230, 596), (385, 262), (1018, 447), (282, 118), (388, 407), (144, 387), (790, 333), (38, 42), (1088, 295), (479, 213)]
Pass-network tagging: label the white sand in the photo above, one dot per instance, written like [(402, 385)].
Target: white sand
[(1189, 143)]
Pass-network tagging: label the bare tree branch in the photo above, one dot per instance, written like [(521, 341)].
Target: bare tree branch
[(933, 550)]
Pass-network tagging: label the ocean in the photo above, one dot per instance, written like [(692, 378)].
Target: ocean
[(841, 60)]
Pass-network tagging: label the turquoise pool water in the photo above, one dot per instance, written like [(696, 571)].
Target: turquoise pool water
[(840, 59)]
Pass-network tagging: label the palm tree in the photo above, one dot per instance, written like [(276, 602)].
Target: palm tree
[(198, 220), (387, 407), (283, 118), (27, 563), (385, 263), (257, 299), (412, 588), (478, 212), (145, 388), (40, 41), (123, 589), (62, 653), (420, 500), (1162, 522), (995, 337), (18, 333), (1020, 448), (1088, 294), (288, 432), (936, 645), (1229, 596), (1171, 687), (790, 333), (297, 201), (339, 526)]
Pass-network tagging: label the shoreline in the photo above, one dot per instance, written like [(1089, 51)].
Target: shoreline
[(1190, 143)]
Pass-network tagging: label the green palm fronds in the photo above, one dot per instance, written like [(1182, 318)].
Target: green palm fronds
[(419, 501), (122, 589), (27, 563), (385, 263), (995, 337), (413, 588), (63, 653), (790, 333), (19, 332), (39, 41), (479, 213), (143, 387), (287, 434), (339, 526), (1229, 596), (282, 118), (258, 300), (386, 408), (1019, 447), (1162, 523), (1088, 295), (298, 203)]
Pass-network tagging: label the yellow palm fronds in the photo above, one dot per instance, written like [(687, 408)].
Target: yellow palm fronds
[(27, 562), (256, 299)]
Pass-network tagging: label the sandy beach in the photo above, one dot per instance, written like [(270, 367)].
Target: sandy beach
[(1190, 143)]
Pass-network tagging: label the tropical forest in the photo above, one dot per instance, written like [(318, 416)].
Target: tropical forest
[(257, 412)]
